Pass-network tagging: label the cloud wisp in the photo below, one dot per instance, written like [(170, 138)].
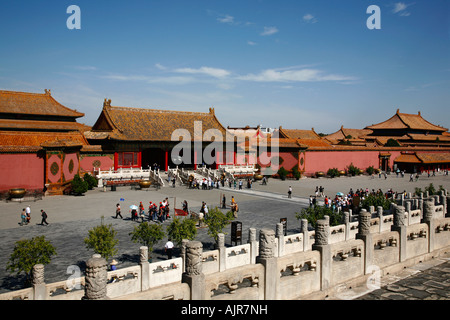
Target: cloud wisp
[(268, 31), (400, 9), (296, 75)]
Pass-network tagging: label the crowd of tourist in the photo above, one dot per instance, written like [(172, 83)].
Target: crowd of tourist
[(155, 212)]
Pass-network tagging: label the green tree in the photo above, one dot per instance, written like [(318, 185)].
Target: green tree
[(102, 239), (90, 180), (378, 200), (79, 186), (216, 221), (180, 229), (333, 172), (392, 143), (315, 213), (28, 253), (282, 172), (354, 171), (147, 234), (296, 173)]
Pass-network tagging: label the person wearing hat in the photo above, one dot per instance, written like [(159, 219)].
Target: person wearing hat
[(113, 265)]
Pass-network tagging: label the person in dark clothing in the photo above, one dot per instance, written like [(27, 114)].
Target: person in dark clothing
[(44, 217)]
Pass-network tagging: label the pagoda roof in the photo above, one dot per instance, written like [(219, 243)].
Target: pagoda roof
[(42, 104), (41, 139), (304, 137), (406, 121), (425, 157), (14, 124), (137, 124)]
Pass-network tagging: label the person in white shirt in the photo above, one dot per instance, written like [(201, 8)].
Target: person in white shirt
[(169, 248)]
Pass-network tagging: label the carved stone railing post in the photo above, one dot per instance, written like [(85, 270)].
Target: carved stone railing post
[(321, 245), (347, 225), (253, 245), (304, 229), (184, 242), (380, 217), (145, 268), (399, 226), (428, 218), (364, 235), (40, 291), (96, 278), (280, 236), (267, 247), (194, 276), (222, 252)]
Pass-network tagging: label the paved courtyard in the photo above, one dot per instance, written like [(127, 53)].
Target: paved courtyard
[(71, 217)]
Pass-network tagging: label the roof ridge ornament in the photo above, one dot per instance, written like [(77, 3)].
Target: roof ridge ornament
[(48, 92), (107, 103)]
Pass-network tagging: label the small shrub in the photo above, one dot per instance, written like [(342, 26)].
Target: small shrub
[(79, 186), (333, 172)]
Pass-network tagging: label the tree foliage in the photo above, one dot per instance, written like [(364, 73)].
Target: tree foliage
[(147, 234), (217, 221), (79, 186), (312, 214), (180, 229), (102, 240), (378, 200), (28, 253)]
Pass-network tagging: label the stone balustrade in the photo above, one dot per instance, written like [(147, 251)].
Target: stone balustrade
[(270, 265)]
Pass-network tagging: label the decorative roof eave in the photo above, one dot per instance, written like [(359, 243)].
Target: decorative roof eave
[(34, 104)]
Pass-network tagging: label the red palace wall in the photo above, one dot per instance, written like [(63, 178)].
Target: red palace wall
[(323, 160), (88, 162), (21, 171)]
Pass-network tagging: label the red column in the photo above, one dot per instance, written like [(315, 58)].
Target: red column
[(166, 160), (195, 160), (116, 161)]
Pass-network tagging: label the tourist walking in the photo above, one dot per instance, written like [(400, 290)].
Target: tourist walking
[(290, 192), (23, 217), (118, 213), (44, 218)]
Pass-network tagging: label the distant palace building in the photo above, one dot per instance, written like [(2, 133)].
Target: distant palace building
[(40, 141), (42, 146), (143, 137)]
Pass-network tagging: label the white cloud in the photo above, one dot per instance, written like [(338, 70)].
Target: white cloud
[(251, 43), (302, 75), (85, 68), (214, 72), (309, 18), (160, 66), (226, 19), (268, 31), (400, 9), (154, 80)]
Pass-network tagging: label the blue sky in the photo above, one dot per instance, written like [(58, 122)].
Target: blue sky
[(296, 64)]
